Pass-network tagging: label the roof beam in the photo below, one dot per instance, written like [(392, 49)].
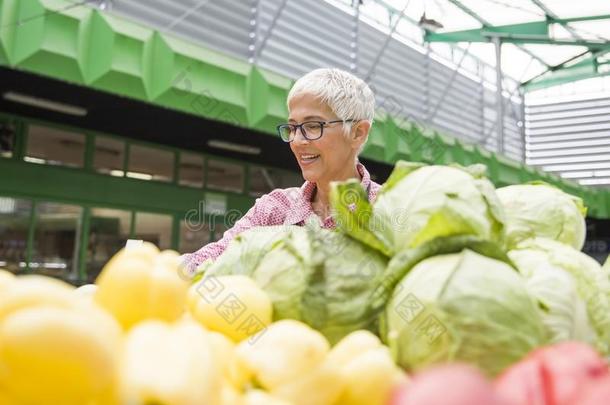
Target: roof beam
[(559, 66), (537, 33), (550, 14), (527, 33), (478, 18), (486, 23), (585, 69), (586, 18)]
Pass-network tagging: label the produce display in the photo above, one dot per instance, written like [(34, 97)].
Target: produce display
[(465, 307), (442, 291), (540, 210)]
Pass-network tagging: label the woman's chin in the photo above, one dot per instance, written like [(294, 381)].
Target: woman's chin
[(310, 175)]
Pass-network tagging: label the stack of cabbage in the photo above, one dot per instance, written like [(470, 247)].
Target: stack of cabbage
[(441, 266)]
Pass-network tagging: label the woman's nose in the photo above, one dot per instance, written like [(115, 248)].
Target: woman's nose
[(299, 137)]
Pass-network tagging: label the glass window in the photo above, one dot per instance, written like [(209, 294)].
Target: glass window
[(7, 139), (225, 176), (146, 163), (109, 156), (55, 147), (108, 233), (264, 180), (191, 170), (14, 225), (55, 240), (155, 228), (193, 236)]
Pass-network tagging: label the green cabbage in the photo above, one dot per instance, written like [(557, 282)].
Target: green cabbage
[(564, 310), (417, 204), (339, 298), (540, 254), (462, 307), (541, 210), (277, 258), (320, 277)]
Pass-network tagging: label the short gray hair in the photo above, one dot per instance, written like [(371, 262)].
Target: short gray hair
[(347, 96)]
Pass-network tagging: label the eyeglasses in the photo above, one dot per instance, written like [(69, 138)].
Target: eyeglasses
[(311, 130)]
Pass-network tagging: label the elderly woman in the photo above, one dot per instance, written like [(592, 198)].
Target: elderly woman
[(330, 113)]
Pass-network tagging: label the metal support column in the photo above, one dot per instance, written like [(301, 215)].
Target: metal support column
[(481, 89), (353, 56), (81, 247), (269, 31), (253, 34), (522, 127), (500, 100), (29, 249)]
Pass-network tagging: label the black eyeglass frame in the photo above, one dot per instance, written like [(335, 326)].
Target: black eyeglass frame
[(300, 127)]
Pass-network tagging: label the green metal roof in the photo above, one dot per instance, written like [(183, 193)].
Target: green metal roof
[(86, 47), (587, 50), (549, 42)]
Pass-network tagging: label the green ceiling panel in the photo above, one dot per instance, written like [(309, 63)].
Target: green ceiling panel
[(397, 146), (494, 167), (61, 34), (157, 66), (58, 49), (573, 188), (278, 94), (391, 134), (185, 93), (591, 195), (125, 74), (6, 18), (20, 41), (422, 146), (443, 146), (557, 182), (414, 139), (509, 173), (604, 205), (458, 154), (84, 46), (61, 67), (375, 146), (526, 174), (95, 47), (277, 111), (402, 152), (482, 155), (131, 86), (593, 201), (257, 97)]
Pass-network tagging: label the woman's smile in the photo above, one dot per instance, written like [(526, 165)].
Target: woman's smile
[(307, 158)]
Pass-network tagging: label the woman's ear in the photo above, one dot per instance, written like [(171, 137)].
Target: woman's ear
[(361, 132)]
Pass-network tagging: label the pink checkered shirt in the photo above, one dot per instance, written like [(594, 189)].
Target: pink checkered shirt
[(289, 206)]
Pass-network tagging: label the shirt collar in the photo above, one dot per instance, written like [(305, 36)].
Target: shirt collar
[(301, 207)]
